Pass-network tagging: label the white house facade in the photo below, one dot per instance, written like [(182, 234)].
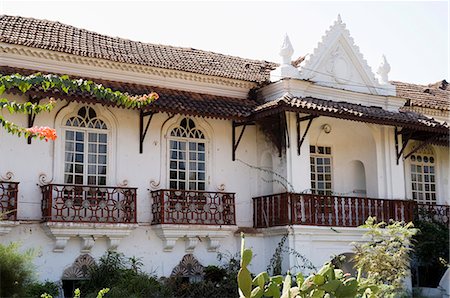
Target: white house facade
[(231, 145)]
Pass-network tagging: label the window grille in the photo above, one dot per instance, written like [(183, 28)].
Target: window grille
[(187, 157), (86, 149), (321, 170)]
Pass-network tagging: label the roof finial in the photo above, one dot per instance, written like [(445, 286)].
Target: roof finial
[(286, 69), (286, 50), (383, 71), (339, 19)]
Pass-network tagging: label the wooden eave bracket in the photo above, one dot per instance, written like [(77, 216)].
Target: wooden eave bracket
[(233, 135), (405, 144), (424, 143), (299, 119), (405, 141), (142, 130)]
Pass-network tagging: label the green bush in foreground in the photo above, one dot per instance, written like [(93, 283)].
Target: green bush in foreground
[(16, 270)]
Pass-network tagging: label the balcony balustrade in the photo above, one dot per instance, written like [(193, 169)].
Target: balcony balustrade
[(320, 210), (193, 207), (88, 203), (8, 200), (436, 213)]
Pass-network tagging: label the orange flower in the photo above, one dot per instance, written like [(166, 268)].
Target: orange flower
[(43, 132)]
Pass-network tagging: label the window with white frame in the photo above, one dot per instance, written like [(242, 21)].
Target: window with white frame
[(423, 178), (187, 157), (321, 170), (86, 148)]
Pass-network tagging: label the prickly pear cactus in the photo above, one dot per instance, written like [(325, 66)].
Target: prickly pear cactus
[(328, 282)]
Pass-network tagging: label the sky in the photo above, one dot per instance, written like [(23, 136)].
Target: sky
[(414, 35)]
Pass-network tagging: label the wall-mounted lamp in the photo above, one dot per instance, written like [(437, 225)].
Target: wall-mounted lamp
[(326, 128)]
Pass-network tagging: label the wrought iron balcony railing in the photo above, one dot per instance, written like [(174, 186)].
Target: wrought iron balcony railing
[(88, 203), (193, 207), (319, 210), (436, 213), (8, 200)]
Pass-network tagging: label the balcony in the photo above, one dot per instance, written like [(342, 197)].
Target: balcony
[(87, 203), (193, 217), (318, 210), (193, 207), (8, 200), (436, 213), (88, 212)]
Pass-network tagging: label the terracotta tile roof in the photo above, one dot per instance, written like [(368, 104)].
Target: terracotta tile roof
[(434, 96), (171, 101), (356, 112), (59, 37)]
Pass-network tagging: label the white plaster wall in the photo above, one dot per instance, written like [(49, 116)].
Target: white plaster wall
[(349, 141), (443, 173)]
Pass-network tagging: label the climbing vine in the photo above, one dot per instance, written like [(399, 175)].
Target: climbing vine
[(64, 84)]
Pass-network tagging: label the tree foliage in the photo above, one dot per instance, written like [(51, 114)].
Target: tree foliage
[(64, 84), (16, 270), (386, 257)]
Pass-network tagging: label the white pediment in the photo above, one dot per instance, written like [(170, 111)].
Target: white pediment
[(337, 62)]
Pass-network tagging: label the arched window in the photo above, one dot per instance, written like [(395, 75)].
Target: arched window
[(423, 176), (187, 157), (86, 148)]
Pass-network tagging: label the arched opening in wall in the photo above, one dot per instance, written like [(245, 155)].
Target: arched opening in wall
[(78, 272), (266, 174), (357, 179)]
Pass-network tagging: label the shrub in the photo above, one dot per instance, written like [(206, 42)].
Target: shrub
[(36, 289), (431, 252), (385, 258), (123, 277), (16, 270)]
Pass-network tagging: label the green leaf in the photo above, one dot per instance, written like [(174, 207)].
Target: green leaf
[(287, 283), (245, 282), (331, 286), (2, 89), (318, 279), (261, 279), (257, 292), (300, 279), (246, 257)]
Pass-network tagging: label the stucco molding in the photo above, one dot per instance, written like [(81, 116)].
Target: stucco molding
[(318, 233), (61, 232), (6, 226), (302, 89), (337, 48), (192, 235), (46, 60), (9, 176)]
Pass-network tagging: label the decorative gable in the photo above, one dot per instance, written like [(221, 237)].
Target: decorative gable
[(338, 63)]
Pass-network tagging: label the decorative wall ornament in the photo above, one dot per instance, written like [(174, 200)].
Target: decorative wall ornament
[(9, 176), (345, 62), (339, 67), (188, 267), (221, 187), (79, 268), (43, 179), (154, 184), (383, 71), (124, 183)]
